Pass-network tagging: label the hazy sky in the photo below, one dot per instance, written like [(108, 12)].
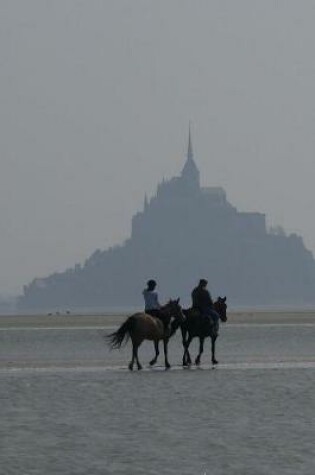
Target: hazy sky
[(95, 99)]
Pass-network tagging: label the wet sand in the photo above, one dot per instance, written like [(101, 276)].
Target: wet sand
[(70, 405), (102, 321)]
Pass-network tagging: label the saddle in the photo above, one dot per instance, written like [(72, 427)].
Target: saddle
[(195, 313), (156, 314)]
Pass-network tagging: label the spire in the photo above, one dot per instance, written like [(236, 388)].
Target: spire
[(190, 154), (190, 172)]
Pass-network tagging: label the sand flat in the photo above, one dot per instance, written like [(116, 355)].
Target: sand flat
[(59, 321), (85, 321)]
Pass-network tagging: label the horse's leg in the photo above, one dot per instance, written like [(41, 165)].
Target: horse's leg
[(157, 352), (133, 357), (165, 343), (213, 339), (184, 333), (136, 356), (201, 341), (188, 358)]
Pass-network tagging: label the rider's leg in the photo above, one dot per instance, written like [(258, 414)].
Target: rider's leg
[(215, 317), (205, 318), (153, 312)]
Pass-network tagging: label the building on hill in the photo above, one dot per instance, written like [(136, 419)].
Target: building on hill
[(183, 233)]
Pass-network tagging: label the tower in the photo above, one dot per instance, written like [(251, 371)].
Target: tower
[(190, 173)]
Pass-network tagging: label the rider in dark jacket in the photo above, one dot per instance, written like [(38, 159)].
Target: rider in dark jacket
[(202, 301)]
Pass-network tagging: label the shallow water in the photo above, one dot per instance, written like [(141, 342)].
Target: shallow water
[(69, 406)]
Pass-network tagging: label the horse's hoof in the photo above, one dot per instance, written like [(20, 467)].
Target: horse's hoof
[(152, 362), (139, 367), (130, 367), (214, 362), (167, 366), (197, 362)]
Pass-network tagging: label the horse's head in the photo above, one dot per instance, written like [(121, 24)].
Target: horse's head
[(175, 313), (175, 310), (220, 307)]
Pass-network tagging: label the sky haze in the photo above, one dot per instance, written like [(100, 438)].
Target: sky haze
[(96, 97)]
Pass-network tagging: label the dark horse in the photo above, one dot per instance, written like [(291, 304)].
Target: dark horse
[(142, 326), (196, 326)]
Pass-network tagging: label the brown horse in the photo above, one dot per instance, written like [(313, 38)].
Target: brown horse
[(141, 326)]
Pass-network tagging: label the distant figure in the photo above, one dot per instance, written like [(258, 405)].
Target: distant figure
[(151, 301), (202, 301)]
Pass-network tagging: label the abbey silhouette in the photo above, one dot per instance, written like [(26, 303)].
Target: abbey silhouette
[(183, 233)]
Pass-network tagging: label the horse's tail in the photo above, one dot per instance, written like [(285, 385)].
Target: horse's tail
[(116, 339)]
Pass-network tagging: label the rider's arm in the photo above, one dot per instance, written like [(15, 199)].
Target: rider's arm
[(157, 300), (194, 299), (210, 301)]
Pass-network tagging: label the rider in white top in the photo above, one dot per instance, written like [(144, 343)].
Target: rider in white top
[(151, 301)]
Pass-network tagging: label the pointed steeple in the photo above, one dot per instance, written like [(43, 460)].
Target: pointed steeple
[(190, 154), (190, 172)]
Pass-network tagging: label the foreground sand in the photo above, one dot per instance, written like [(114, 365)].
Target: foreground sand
[(236, 317)]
